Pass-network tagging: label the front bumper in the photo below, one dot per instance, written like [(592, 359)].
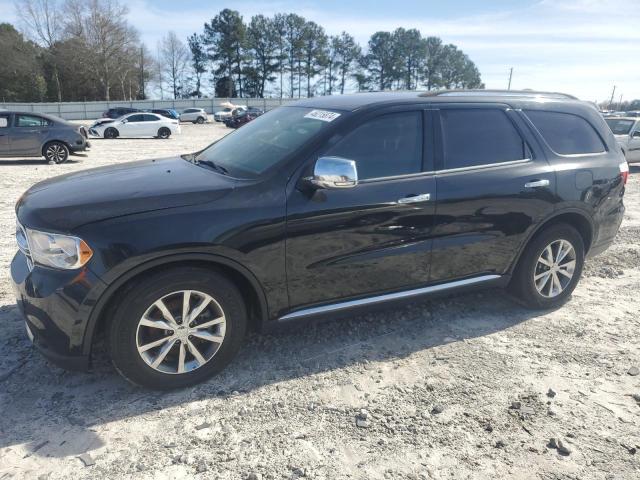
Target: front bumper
[(54, 305)]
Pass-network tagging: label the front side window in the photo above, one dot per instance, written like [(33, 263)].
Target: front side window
[(266, 141), (386, 146), (620, 126), (565, 133), (478, 136), (31, 121), (135, 118)]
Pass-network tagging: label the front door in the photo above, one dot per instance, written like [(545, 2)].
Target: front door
[(492, 191), (5, 127), (28, 134), (376, 236), (633, 153), (133, 127)]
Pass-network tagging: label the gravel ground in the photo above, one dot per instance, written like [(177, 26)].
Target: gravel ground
[(466, 387)]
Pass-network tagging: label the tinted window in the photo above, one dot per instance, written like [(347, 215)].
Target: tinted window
[(190, 110), (479, 137), (150, 118), (385, 146), (565, 133), (136, 118), (620, 126), (31, 121)]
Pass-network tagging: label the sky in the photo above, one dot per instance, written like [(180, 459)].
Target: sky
[(581, 47)]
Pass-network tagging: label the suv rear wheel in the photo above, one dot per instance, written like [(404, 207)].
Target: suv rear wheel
[(177, 328), (549, 268), (56, 152), (200, 121)]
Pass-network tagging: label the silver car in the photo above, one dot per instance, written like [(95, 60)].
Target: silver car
[(627, 133), (195, 115)]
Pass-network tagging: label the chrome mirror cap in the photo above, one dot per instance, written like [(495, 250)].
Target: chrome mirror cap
[(334, 172)]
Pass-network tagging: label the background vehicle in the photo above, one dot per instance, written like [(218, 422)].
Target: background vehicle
[(38, 135), (137, 125), (241, 116), (627, 133), (326, 205), (118, 112), (222, 115), (194, 115), (167, 112)]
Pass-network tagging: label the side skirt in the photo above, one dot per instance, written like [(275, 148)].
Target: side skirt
[(389, 297)]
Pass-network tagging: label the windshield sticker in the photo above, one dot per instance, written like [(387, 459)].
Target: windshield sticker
[(323, 115)]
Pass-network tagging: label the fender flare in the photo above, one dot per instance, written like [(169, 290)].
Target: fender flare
[(212, 259), (543, 224)]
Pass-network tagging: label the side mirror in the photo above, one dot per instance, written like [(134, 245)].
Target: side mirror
[(636, 133), (334, 172), (125, 121)]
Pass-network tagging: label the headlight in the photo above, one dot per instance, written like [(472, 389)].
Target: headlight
[(58, 251)]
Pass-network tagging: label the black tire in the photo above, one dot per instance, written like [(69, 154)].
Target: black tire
[(56, 152), (123, 329), (164, 133), (523, 285), (111, 133), (200, 121)]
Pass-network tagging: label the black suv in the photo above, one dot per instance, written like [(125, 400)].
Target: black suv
[(118, 112), (326, 205), (26, 134)]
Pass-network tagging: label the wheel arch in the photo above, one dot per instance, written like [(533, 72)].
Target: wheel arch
[(248, 285), (574, 217), (53, 140)]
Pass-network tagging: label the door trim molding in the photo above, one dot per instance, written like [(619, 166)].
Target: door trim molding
[(334, 307)]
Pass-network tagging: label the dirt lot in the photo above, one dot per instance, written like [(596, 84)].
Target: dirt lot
[(467, 387)]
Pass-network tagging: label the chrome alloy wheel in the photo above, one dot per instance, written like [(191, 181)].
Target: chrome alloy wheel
[(56, 153), (181, 332), (554, 269)]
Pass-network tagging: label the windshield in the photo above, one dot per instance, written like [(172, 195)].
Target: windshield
[(619, 126), (267, 140)]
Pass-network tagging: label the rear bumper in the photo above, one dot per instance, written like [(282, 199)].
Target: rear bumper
[(54, 307), (80, 148)]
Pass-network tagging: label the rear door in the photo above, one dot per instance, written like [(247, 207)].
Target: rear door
[(633, 155), (28, 134), (376, 236), (150, 125), (493, 188)]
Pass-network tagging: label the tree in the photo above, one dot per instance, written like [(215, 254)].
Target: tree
[(263, 47), (381, 61), (457, 71), (411, 50), (435, 56), (21, 77), (44, 22), (347, 53), (280, 31), (314, 43), (198, 61), (294, 27), (174, 58), (225, 37)]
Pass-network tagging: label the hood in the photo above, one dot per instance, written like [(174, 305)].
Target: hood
[(66, 202)]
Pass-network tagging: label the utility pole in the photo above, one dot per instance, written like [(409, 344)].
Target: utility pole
[(611, 99), (620, 103), (510, 77)]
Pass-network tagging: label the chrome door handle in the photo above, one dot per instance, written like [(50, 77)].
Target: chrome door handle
[(425, 197), (537, 183)]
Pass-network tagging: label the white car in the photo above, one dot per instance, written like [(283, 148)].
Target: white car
[(136, 125), (195, 115), (627, 133), (222, 115)]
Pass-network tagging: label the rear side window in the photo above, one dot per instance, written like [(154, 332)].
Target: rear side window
[(4, 122), (479, 136), (31, 121), (385, 146), (150, 118), (565, 133)]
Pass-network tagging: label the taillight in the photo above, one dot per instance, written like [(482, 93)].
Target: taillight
[(624, 172)]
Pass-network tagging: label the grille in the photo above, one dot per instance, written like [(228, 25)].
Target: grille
[(23, 244)]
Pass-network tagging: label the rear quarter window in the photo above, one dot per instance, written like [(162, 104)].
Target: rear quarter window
[(565, 133)]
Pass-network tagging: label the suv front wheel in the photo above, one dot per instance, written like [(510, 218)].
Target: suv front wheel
[(177, 328), (549, 268)]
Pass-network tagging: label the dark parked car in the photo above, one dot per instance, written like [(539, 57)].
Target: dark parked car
[(25, 134), (167, 112), (239, 117), (327, 205), (118, 112)]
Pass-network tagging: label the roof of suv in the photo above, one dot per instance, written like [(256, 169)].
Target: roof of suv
[(513, 98)]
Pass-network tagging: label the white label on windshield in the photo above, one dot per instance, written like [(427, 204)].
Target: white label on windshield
[(323, 115)]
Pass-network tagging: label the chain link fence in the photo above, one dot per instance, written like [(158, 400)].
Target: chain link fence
[(93, 110)]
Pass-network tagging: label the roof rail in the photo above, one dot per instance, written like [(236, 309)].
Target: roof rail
[(498, 93)]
